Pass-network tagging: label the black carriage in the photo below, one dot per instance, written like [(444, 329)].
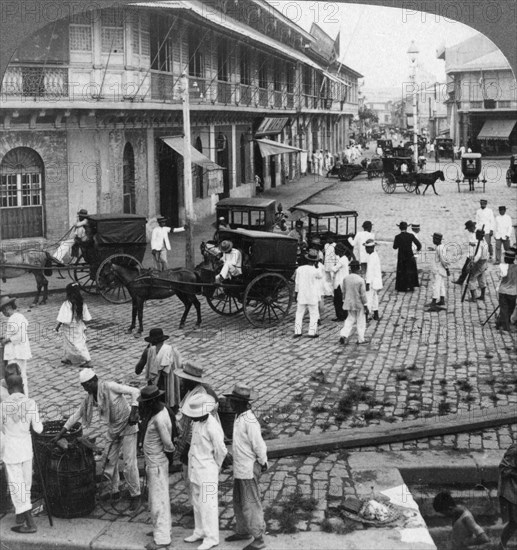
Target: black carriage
[(393, 174), (511, 173), (471, 169), (374, 168), (263, 292), (386, 145), (443, 148), (110, 238), (251, 213), (348, 171)]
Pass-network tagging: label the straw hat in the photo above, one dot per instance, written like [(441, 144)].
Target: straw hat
[(226, 246), (198, 405), (312, 255), (369, 242), (190, 371), (240, 392), (6, 301), (82, 212), (149, 393), (86, 374)]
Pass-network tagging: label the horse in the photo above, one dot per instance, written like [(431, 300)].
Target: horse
[(427, 179), (144, 285), (41, 262)]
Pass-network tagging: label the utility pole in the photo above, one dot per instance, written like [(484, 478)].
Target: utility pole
[(413, 53), (187, 174)]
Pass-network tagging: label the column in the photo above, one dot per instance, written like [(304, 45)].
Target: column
[(151, 175)]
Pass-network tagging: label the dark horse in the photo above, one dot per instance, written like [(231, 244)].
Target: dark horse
[(37, 262), (147, 285), (427, 179)]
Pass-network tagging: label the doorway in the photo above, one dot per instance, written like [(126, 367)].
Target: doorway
[(169, 192), (223, 161)]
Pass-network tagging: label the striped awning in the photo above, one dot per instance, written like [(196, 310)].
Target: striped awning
[(497, 128), (268, 148)]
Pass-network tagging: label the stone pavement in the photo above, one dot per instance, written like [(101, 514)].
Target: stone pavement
[(416, 363)]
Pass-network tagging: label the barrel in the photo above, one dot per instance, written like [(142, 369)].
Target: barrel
[(69, 474)]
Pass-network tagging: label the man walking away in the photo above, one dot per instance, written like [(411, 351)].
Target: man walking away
[(249, 461), (407, 274), (440, 270), (18, 415), (355, 302), (485, 217), (470, 226), (340, 270), (373, 278), (307, 294), (121, 419), (158, 449), (357, 242), (478, 268), (502, 232), (507, 291)]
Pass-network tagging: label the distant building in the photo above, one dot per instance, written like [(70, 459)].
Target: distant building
[(481, 96), (91, 110)]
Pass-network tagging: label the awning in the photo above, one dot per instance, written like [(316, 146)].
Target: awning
[(215, 172), (269, 148), (335, 78), (271, 126), (497, 129)]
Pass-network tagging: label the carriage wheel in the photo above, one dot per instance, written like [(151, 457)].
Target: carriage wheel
[(410, 185), (80, 272), (389, 183), (346, 174), (267, 300), (509, 177), (224, 303), (111, 288)]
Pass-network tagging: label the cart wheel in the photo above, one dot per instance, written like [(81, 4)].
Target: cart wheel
[(509, 177), (410, 186), (80, 272), (346, 174), (223, 302), (267, 300), (389, 183), (111, 288)]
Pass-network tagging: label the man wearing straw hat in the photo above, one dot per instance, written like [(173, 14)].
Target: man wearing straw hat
[(160, 244), (249, 461), (485, 217), (470, 227), (158, 449), (373, 278), (16, 344), (307, 294), (478, 268), (355, 302), (205, 458), (507, 291), (232, 262), (109, 398), (440, 270)]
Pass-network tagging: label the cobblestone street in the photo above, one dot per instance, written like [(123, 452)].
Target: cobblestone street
[(416, 364)]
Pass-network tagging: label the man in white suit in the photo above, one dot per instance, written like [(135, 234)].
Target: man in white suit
[(308, 294), (373, 278)]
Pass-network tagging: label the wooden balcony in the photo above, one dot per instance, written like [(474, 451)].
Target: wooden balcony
[(25, 80)]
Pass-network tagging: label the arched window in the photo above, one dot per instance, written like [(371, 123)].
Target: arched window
[(197, 172), (21, 194), (128, 179)]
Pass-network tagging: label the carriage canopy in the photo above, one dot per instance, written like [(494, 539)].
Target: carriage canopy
[(118, 228)]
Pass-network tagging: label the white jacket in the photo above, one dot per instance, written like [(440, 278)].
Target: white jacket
[(16, 332), (207, 451), (503, 227), (307, 284), (373, 271)]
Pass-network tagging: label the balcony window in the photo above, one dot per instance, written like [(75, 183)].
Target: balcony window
[(245, 66), (195, 63), (290, 74), (307, 80), (140, 35), (223, 61), (278, 76), (112, 31), (80, 32), (262, 72), (161, 44)]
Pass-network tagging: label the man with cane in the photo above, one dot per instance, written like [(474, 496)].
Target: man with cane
[(478, 268)]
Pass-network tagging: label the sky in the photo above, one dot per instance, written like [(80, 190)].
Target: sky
[(374, 40)]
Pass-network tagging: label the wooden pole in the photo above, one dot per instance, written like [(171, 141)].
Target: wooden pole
[(187, 174)]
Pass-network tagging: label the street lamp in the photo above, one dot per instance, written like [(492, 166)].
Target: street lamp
[(187, 173), (413, 52)]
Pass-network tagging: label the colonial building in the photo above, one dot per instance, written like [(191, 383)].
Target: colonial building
[(91, 111), (481, 96)]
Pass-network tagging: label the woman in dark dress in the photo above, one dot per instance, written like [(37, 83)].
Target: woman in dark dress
[(407, 275)]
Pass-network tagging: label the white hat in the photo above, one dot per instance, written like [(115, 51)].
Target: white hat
[(85, 375), (198, 405)]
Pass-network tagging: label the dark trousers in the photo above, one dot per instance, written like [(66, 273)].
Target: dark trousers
[(506, 307), (341, 314)]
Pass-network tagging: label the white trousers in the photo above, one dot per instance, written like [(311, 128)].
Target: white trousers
[(19, 481), (356, 318), (313, 318), (206, 511), (230, 270), (159, 502), (186, 480), (372, 299), (438, 286), (128, 446)]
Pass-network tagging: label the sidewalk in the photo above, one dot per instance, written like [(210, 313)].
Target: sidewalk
[(287, 195)]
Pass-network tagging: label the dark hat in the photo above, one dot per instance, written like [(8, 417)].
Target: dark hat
[(149, 392), (470, 223), (240, 392), (402, 225), (367, 224), (509, 254), (161, 219), (156, 336), (354, 264), (82, 212), (437, 236), (312, 255), (6, 301), (483, 201), (190, 371), (502, 207), (415, 226), (226, 246)]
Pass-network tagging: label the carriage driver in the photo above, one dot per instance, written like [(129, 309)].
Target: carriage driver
[(232, 259)]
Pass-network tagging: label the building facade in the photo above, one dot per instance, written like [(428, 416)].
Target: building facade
[(87, 105), (481, 96)]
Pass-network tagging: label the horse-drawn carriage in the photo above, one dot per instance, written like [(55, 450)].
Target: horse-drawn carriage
[(471, 169), (511, 173), (398, 171)]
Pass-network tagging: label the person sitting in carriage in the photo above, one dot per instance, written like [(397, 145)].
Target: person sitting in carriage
[(300, 235), (232, 258), (83, 233)]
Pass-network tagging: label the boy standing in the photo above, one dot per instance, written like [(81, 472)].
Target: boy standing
[(249, 461)]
